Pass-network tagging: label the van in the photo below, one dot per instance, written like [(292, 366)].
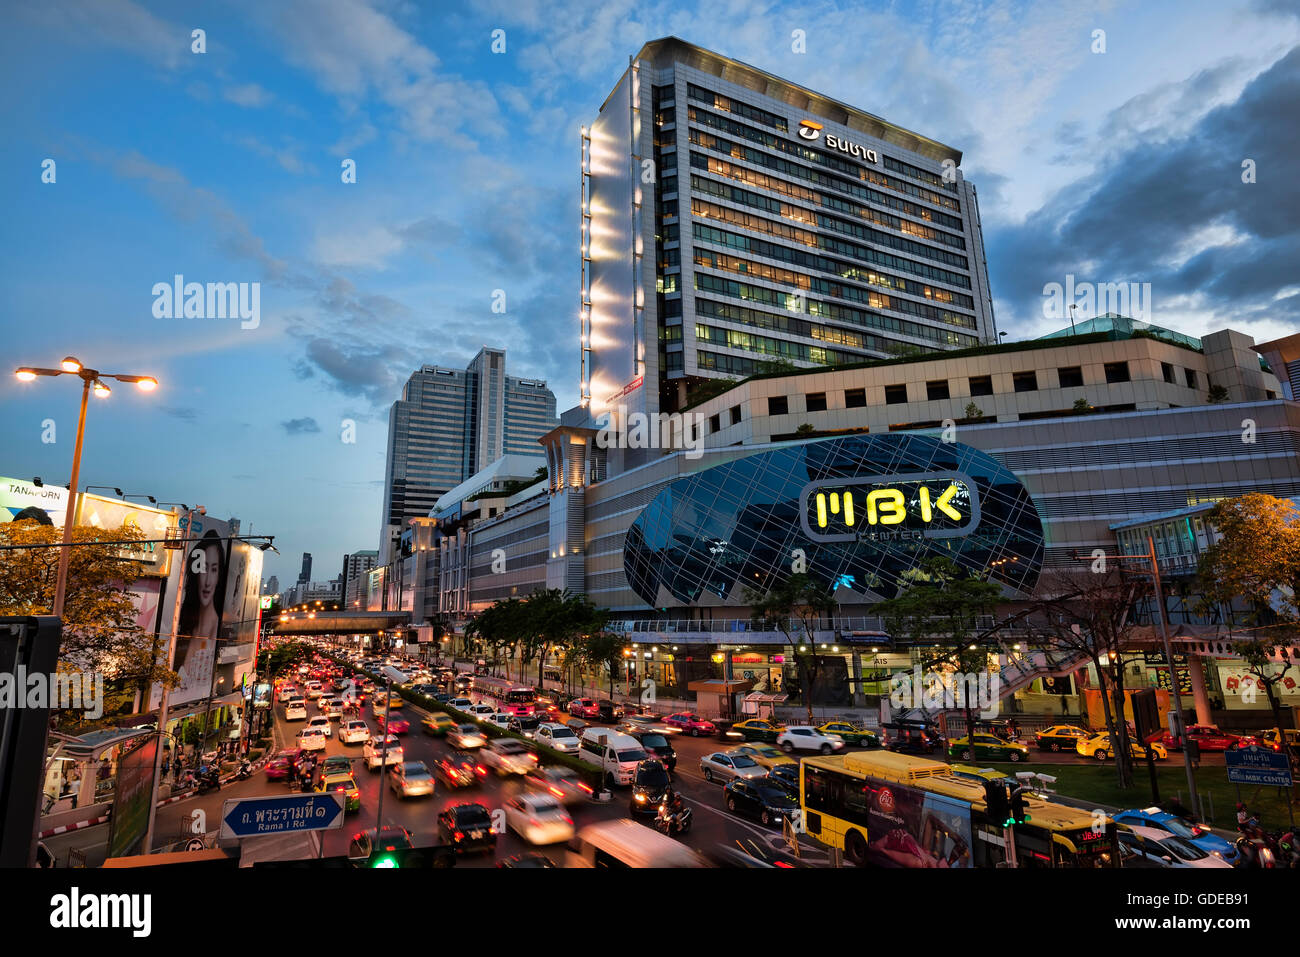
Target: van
[(616, 754), (623, 843)]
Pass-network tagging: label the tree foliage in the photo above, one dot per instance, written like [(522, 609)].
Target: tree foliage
[(795, 606)]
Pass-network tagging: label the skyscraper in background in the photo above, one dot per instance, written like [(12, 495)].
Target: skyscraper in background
[(305, 574), (449, 424)]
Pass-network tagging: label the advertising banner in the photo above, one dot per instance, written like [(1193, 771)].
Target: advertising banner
[(907, 827), (131, 800)]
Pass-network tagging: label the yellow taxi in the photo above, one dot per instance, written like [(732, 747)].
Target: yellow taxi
[(756, 729), (851, 733), (1098, 746), (766, 755), (342, 782)]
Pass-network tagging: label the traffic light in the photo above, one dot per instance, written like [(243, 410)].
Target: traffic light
[(995, 797), (1018, 814), (412, 858)]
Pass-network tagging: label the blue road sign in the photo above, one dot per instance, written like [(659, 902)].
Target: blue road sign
[(282, 814), (1254, 766)]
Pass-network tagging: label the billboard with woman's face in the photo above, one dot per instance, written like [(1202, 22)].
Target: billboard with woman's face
[(203, 597)]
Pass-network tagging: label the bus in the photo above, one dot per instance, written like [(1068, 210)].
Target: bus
[(895, 810), (515, 699)]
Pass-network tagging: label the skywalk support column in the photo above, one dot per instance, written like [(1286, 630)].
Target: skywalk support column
[(1196, 670)]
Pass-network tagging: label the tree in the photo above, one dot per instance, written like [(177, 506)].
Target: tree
[(1082, 406), (1216, 395), (805, 429), (768, 366), (939, 608), (1256, 562), (973, 411), (556, 618), (794, 607), (100, 633), (601, 648)]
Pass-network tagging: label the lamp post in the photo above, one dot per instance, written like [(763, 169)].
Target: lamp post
[(90, 378)]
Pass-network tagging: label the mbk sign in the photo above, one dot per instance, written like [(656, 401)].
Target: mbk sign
[(810, 130)]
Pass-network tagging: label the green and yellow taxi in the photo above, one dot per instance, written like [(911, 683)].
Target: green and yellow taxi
[(851, 734), (757, 729), (342, 782), (438, 724), (767, 755), (1098, 746), (979, 775), (987, 747), (1060, 737)]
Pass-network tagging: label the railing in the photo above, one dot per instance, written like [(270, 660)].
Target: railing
[(1023, 670)]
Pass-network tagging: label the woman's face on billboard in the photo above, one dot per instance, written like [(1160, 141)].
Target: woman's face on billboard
[(210, 575)]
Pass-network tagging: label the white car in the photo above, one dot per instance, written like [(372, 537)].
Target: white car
[(295, 710), (374, 752), (354, 731), (410, 779), (314, 689), (311, 739), (460, 704), (508, 756), (1150, 846), (538, 819), (802, 737), (332, 708), (323, 723), (500, 719), (557, 736), (481, 712), (466, 736)]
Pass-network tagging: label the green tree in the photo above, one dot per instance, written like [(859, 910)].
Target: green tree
[(601, 649), (1082, 406), (973, 411), (805, 430), (939, 609), (795, 606), (1216, 395)]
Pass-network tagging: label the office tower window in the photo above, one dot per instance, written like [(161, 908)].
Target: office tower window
[(895, 394), (1117, 372), (981, 385), (735, 414), (855, 398), (938, 389), (815, 401), (778, 405), (1025, 381), (1070, 377), (1168, 372), (1190, 376), (715, 424)]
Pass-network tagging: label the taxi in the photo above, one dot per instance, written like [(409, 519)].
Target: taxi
[(1060, 737), (756, 729), (851, 734), (767, 755), (987, 747), (342, 781), (438, 724), (1098, 746)]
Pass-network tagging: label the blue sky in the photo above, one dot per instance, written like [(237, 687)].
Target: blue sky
[(225, 167)]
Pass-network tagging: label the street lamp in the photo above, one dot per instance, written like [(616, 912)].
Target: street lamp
[(152, 500), (107, 488), (89, 378)]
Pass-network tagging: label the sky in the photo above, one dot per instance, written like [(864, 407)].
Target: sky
[(1112, 156)]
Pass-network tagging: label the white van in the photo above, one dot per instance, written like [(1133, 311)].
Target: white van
[(625, 843), (614, 753)]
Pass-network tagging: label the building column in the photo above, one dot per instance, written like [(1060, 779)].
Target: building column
[(859, 699), (1196, 669)]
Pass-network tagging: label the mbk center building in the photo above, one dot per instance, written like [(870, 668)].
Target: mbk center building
[(730, 218)]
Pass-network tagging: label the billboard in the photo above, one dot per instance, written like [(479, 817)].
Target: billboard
[(131, 799), (907, 827)]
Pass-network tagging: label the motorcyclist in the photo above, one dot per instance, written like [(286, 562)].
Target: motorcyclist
[(671, 807)]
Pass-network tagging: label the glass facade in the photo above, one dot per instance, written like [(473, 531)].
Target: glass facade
[(863, 510)]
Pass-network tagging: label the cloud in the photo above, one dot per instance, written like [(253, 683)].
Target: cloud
[(300, 426), (180, 412), (117, 23), (248, 95)]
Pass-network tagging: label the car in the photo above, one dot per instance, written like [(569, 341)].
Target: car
[(509, 756), (311, 739), (1207, 738), (632, 723), (1154, 847), (657, 745), (690, 723), (438, 724), (786, 775), (851, 734), (538, 818), (987, 747), (336, 764), (468, 827), (759, 798), (314, 689), (295, 710), (410, 779), (607, 710), (650, 782), (756, 729), (375, 755), (1270, 740), (460, 770), (564, 784), (913, 737), (394, 723), (584, 708), (557, 736), (1098, 746), (764, 755), (367, 686), (332, 708), (442, 697), (342, 782), (802, 737), (531, 859), (1060, 737), (577, 726), (499, 718), (1162, 820), (340, 684), (387, 838), (354, 731), (323, 723), (465, 736), (723, 767), (283, 765), (525, 724), (460, 704)]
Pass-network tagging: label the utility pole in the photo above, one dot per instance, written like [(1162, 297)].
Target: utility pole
[(383, 756)]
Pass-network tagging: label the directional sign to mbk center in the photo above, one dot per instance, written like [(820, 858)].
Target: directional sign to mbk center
[(282, 814), (1253, 766)]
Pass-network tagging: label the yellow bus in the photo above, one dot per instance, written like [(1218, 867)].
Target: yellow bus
[(885, 809)]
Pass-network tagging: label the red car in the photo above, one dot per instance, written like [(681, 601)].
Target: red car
[(1206, 737), (283, 765), (398, 725), (692, 724), (584, 708)]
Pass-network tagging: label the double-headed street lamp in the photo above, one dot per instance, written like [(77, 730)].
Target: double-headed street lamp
[(90, 379)]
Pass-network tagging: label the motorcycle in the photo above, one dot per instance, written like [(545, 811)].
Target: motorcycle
[(1255, 852), (669, 823), (245, 771), (209, 779)]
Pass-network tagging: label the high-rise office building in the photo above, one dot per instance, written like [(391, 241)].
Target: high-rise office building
[(449, 424), (273, 585), (305, 574), (732, 218), (356, 566)]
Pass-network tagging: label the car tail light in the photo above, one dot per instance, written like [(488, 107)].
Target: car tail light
[(585, 787), (532, 820), (480, 769), (459, 835), (556, 791)]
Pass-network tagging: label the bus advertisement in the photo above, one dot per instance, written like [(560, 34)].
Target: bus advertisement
[(504, 695)]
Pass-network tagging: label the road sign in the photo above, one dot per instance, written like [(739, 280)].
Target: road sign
[(282, 814), (1254, 766)]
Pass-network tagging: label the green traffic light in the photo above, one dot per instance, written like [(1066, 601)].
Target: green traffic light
[(387, 861)]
